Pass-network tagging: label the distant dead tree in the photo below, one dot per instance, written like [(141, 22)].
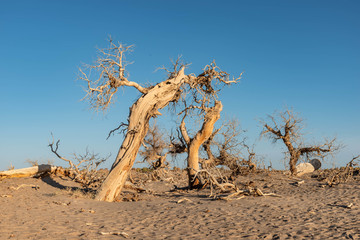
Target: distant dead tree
[(110, 75), (155, 148), (286, 126)]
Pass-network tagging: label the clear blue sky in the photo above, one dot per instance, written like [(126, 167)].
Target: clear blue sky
[(303, 54)]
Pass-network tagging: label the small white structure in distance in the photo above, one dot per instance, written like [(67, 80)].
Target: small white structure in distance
[(308, 167)]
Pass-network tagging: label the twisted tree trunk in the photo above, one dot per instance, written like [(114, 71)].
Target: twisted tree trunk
[(141, 112), (193, 154)]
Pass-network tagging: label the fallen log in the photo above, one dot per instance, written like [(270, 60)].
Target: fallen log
[(50, 169), (30, 171)]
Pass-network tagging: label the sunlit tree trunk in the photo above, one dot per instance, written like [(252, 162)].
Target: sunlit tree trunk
[(205, 132), (141, 112)]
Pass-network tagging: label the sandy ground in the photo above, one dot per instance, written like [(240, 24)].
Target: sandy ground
[(53, 208)]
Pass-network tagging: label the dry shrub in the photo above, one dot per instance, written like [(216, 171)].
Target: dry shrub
[(85, 169), (341, 175)]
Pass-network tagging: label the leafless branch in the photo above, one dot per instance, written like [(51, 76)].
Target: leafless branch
[(122, 125), (110, 74), (342, 175), (155, 147), (177, 65), (85, 171), (204, 85), (227, 146)]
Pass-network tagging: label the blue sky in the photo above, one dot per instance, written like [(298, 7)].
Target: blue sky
[(301, 54)]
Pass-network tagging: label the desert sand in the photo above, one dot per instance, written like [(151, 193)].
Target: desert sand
[(55, 208)]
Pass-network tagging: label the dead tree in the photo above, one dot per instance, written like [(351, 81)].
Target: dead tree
[(155, 148), (110, 75), (193, 144), (286, 126), (231, 149)]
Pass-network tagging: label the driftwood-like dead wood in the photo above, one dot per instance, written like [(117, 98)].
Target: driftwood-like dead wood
[(25, 185), (341, 175), (50, 169), (38, 171), (123, 234), (239, 194), (224, 187), (29, 172), (184, 200), (233, 192), (6, 196)]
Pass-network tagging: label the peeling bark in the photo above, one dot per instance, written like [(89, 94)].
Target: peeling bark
[(205, 132), (141, 112), (29, 172)]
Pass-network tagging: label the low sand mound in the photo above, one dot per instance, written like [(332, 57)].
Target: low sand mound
[(55, 208)]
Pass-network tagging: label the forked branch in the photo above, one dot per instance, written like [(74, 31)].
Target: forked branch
[(110, 74), (85, 171)]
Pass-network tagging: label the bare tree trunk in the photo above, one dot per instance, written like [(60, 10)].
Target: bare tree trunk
[(294, 157), (141, 112), (29, 172), (193, 154)]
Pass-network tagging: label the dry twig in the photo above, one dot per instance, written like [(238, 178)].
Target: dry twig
[(341, 175), (85, 171), (123, 234), (36, 187)]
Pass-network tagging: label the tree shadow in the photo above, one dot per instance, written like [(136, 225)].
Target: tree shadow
[(50, 181)]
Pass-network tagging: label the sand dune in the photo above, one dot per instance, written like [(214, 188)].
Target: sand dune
[(44, 209)]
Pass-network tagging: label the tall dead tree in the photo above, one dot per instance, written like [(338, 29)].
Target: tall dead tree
[(200, 99), (110, 75), (286, 126), (193, 144)]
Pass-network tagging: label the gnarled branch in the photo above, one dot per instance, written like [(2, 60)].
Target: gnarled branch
[(110, 74)]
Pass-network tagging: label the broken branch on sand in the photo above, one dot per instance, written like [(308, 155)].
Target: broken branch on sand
[(123, 234), (226, 187), (25, 185), (29, 172)]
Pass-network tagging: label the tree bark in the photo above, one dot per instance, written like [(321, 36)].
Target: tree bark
[(29, 172), (193, 154), (141, 112), (293, 160)]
